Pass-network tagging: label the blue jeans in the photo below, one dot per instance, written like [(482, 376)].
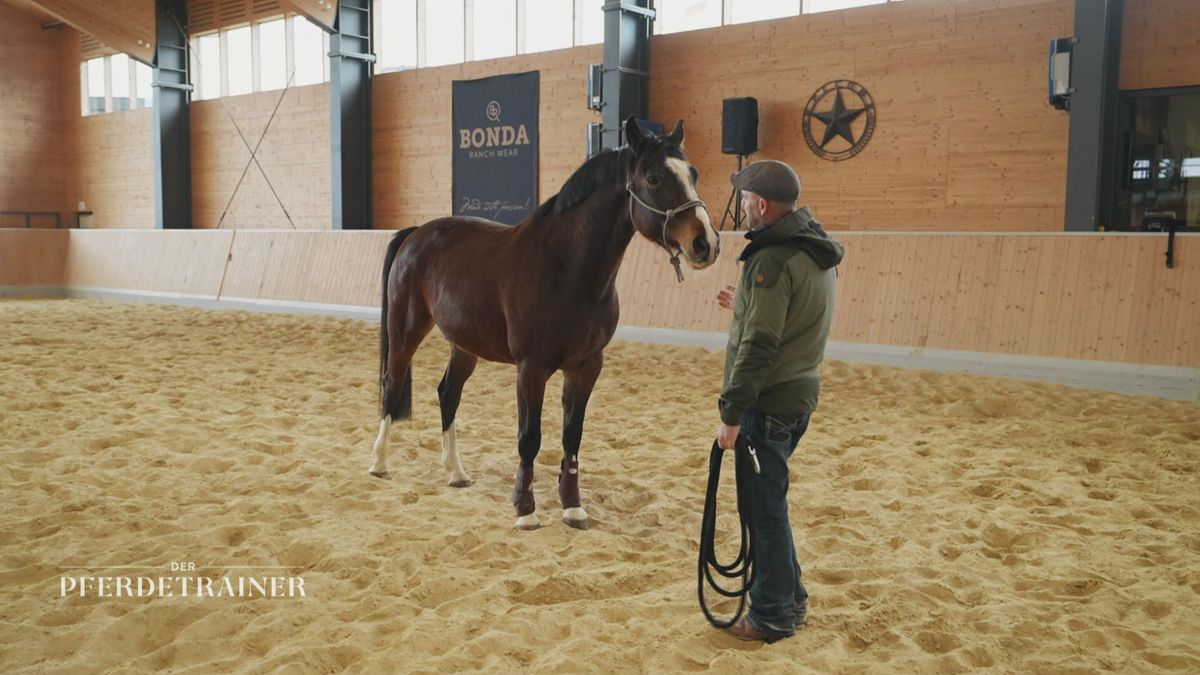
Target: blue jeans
[(778, 599)]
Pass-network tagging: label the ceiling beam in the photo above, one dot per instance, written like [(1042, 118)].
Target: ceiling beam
[(125, 25)]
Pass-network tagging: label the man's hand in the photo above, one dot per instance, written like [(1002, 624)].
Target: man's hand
[(725, 297), (727, 436)]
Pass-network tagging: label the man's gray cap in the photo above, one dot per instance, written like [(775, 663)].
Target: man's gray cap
[(769, 179)]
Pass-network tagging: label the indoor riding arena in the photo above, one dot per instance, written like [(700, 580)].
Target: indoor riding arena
[(251, 422)]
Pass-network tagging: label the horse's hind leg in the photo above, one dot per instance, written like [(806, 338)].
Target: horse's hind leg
[(406, 328), (462, 364), (531, 389), (577, 389)]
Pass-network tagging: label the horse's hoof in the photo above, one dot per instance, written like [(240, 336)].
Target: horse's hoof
[(386, 475), (461, 483), (577, 518), (529, 522)]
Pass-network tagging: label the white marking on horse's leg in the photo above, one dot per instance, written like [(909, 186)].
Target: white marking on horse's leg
[(680, 169), (379, 459), (451, 460), (576, 517), (528, 522)]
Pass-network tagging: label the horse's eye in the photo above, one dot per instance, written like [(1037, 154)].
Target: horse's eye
[(653, 180)]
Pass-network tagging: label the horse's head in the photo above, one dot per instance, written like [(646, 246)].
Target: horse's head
[(663, 201)]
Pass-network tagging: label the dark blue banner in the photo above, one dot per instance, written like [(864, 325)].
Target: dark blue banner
[(496, 147)]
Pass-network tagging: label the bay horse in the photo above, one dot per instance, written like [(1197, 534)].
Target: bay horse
[(541, 295)]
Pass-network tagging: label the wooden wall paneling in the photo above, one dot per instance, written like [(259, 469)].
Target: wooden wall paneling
[(931, 264), (1187, 317), (1029, 261), (1057, 322), (945, 292), (978, 318), (1171, 299), (960, 318), (1161, 319), (161, 261), (1125, 290), (1083, 286), (854, 288), (1111, 255), (413, 139), (1160, 44), (884, 308), (910, 300), (878, 268), (1017, 299), (114, 175), (1100, 297), (897, 320), (32, 147), (1049, 290), (1143, 288), (998, 304), (124, 25), (32, 257), (847, 280), (880, 277), (907, 177), (342, 268), (294, 155)]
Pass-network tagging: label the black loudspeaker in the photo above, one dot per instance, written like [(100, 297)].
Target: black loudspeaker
[(739, 126)]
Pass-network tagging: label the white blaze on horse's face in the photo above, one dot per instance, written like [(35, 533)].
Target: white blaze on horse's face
[(699, 255)]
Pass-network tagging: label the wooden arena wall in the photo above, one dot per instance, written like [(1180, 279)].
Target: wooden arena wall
[(31, 147), (965, 139), (1160, 44), (1080, 296)]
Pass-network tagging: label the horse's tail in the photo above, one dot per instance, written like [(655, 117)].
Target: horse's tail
[(389, 405)]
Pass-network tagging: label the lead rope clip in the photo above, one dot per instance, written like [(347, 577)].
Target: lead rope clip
[(754, 458)]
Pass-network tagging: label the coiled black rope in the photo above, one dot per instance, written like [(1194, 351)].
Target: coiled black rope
[(743, 566)]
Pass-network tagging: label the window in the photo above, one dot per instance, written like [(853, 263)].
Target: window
[(744, 11), (272, 55), (206, 69), (679, 15), (1157, 143), (309, 44), (396, 43), (238, 61), (814, 6), (549, 24), (119, 65), (591, 22), (145, 80), (95, 87), (493, 29), (445, 25)]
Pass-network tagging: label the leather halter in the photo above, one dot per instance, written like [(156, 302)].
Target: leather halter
[(667, 215)]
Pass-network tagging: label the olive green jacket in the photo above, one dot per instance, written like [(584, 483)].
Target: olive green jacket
[(781, 318)]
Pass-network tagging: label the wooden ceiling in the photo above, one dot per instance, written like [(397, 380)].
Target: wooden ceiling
[(27, 7), (129, 25)]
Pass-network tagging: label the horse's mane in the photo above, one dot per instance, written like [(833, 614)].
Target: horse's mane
[(607, 167)]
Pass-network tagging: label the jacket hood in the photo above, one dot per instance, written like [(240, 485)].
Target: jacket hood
[(801, 230)]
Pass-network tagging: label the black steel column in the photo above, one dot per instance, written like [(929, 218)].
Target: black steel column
[(350, 59), (626, 90), (172, 130), (1091, 153)]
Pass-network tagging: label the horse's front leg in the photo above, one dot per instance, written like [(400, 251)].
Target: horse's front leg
[(577, 389), (531, 388)]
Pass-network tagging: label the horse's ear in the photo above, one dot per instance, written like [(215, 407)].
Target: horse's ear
[(677, 135), (633, 134)]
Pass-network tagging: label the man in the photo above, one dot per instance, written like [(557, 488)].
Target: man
[(782, 310)]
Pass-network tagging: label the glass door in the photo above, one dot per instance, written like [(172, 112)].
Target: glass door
[(1158, 171)]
